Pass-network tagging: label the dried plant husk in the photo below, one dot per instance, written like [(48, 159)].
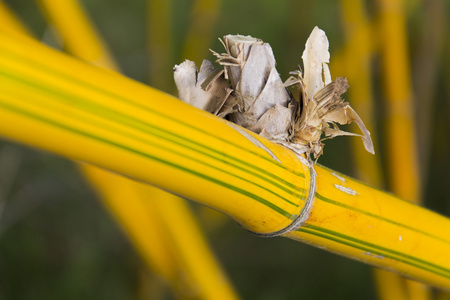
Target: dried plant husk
[(320, 107), (249, 92), (206, 89), (263, 100)]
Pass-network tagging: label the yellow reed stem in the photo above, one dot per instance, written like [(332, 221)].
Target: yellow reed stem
[(194, 256), (181, 257), (93, 115), (400, 125), (341, 223), (389, 286), (7, 19), (148, 235), (132, 216), (79, 37), (400, 128), (203, 17), (357, 61), (146, 228)]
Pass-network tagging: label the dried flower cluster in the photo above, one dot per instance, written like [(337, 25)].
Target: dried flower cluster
[(249, 92)]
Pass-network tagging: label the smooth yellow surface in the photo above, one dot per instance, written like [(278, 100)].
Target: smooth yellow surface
[(152, 137), (166, 235), (402, 157), (7, 20), (378, 229), (133, 204), (103, 110), (400, 127), (205, 278), (78, 36), (117, 192), (147, 233), (203, 18), (389, 286), (358, 59)]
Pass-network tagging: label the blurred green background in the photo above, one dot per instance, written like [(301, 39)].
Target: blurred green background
[(58, 242)]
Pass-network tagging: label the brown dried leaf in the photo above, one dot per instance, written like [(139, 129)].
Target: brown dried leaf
[(320, 104), (326, 107), (257, 86), (347, 115), (206, 89)]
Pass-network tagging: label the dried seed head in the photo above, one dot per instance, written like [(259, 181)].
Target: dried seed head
[(320, 107), (263, 100), (255, 98)]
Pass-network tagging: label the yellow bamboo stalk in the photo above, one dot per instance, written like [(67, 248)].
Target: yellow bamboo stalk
[(357, 61), (79, 37), (144, 227), (147, 232), (203, 17), (195, 258), (7, 19), (181, 257), (389, 286), (114, 188), (364, 235), (89, 114), (400, 125)]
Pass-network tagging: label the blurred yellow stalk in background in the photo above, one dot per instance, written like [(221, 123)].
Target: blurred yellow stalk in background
[(356, 66), (8, 20), (203, 17), (400, 126), (400, 129), (78, 35), (118, 124)]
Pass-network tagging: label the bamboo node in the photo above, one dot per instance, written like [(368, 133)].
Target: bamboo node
[(306, 209)]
